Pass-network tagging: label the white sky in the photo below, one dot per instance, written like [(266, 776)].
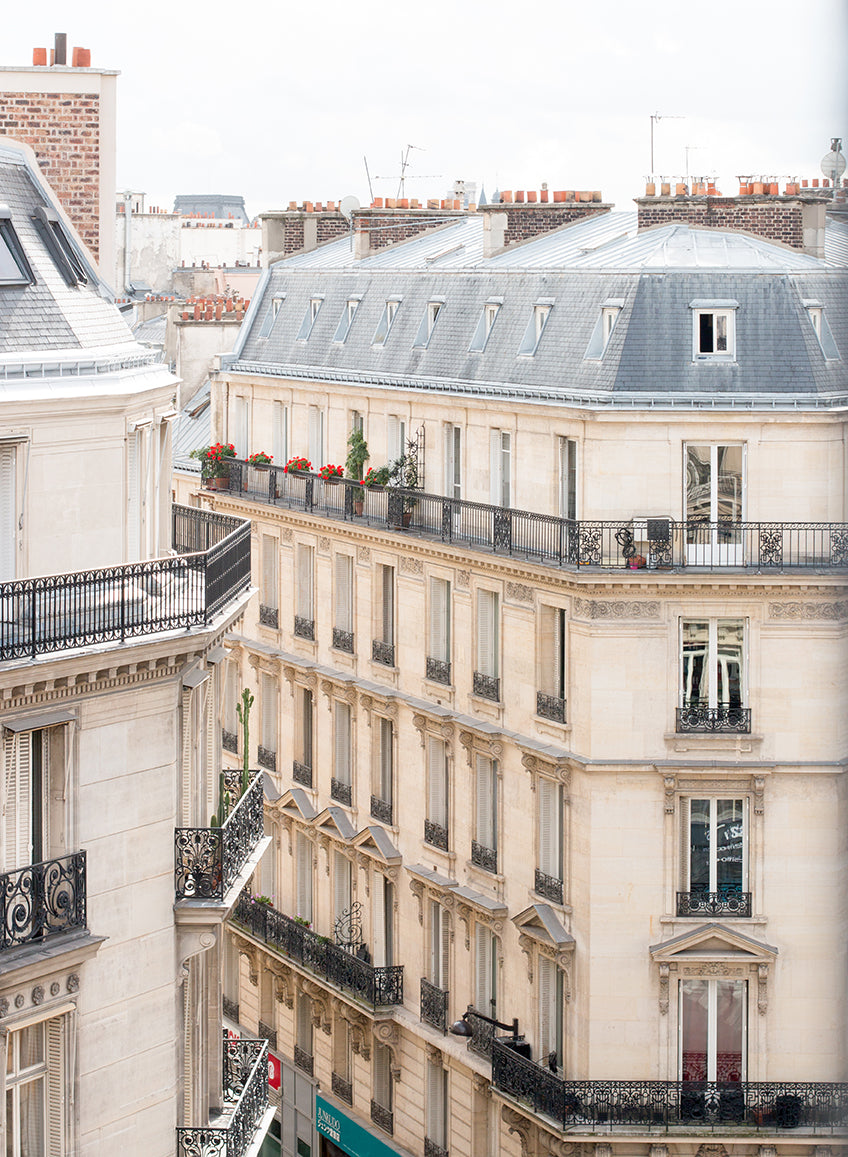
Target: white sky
[(279, 100)]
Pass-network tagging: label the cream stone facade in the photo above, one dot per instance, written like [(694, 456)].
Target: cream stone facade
[(113, 605), (583, 767)]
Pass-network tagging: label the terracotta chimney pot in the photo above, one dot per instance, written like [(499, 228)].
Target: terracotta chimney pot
[(650, 189), (519, 197), (543, 196), (39, 57), (506, 196), (665, 189), (531, 196), (377, 203)]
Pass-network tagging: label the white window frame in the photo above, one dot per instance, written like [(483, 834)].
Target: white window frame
[(428, 323), (437, 1103), (310, 317), (550, 1006), (342, 742), (486, 952), (384, 325), (343, 576), (488, 633), (305, 581), (438, 782), (9, 507), (346, 319), (712, 652), (280, 433), (270, 573), (55, 1073), (487, 800), (712, 984), (485, 325), (439, 644), (550, 813), (553, 666), (500, 468), (395, 437), (685, 812), (536, 326), (440, 939), (315, 436), (453, 461), (719, 311)]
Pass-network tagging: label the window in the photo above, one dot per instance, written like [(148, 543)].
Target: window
[(36, 1092), (241, 426), (385, 323), (304, 615), (381, 1103), (341, 785), (603, 329), (303, 763), (550, 698), (535, 328), (453, 461), (818, 320), (383, 648), (715, 498), (341, 1079), (428, 323), (713, 1030), (303, 1033), (14, 267), (341, 899), (304, 878), (714, 841), (383, 921), (231, 700), (550, 1006), (267, 754), (343, 609), (548, 882), (714, 330), (567, 478), (357, 422), (436, 823), (315, 448), (269, 607), (67, 259), (280, 433), (24, 834), (396, 437), (484, 847), (487, 672), (485, 972), (346, 320), (437, 1106), (484, 326), (500, 467), (439, 947), (8, 513), (439, 645), (268, 867), (383, 772), (712, 669), (312, 311), (270, 315)]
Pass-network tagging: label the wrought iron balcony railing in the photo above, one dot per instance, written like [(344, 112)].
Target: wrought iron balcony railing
[(304, 1060), (550, 707), (343, 640), (56, 612), (483, 857), (626, 543), (436, 835), (230, 1008), (487, 686), (341, 792), (727, 902), (301, 773), (383, 652), (269, 616), (229, 741), (432, 1149), (267, 1033), (377, 987), (434, 1005), (208, 860), (342, 1088), (714, 719), (548, 886), (760, 1106), (304, 628), (266, 758), (439, 671), (245, 1101), (382, 1117), (42, 900), (381, 809)]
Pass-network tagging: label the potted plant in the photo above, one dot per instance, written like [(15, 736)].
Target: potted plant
[(260, 458), (214, 468), (298, 465), (331, 473), (376, 479), (357, 454)]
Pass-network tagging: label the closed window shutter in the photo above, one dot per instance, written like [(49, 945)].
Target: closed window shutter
[(388, 601), (483, 993), (341, 1048), (8, 513), (304, 582), (304, 877), (486, 802), (279, 432), (304, 1023), (341, 885), (316, 437), (269, 713), (437, 803), (344, 599), (268, 864), (379, 920), (269, 571), (435, 1103), (306, 728), (439, 597), (495, 464), (439, 946), (17, 801), (546, 793), (342, 743), (386, 760), (487, 663), (393, 438), (546, 972), (382, 1076), (133, 497), (242, 424), (231, 698), (685, 845), (213, 741)]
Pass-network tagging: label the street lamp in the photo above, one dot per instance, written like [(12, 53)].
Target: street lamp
[(461, 1027)]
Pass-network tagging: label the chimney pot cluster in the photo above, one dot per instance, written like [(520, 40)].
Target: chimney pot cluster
[(215, 307), (80, 57)]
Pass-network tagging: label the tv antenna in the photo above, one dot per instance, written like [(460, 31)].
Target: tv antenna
[(833, 163), (655, 119), (404, 165)]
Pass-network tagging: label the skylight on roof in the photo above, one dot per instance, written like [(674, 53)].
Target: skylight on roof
[(64, 253), (14, 267)]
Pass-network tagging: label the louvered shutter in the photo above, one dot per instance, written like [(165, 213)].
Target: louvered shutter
[(487, 602), (341, 885), (435, 943), (163, 489), (344, 592), (341, 769), (435, 1103), (316, 437), (17, 801), (133, 497), (546, 975), (486, 801), (279, 434), (382, 1065), (269, 713), (439, 597), (268, 863), (231, 698), (304, 582), (304, 878), (341, 1048), (212, 736), (242, 427), (269, 572), (546, 793), (495, 463), (8, 513), (388, 600), (379, 919), (304, 1023), (437, 803), (483, 993), (187, 761), (685, 845), (307, 728), (386, 760), (393, 438)]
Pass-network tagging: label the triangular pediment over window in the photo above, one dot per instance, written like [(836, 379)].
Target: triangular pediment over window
[(542, 923), (336, 823), (713, 942), (296, 803), (374, 841)]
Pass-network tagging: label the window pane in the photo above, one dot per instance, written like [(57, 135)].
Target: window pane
[(694, 1012), (31, 1046), (705, 333), (730, 1029), (9, 270), (729, 469), (699, 845), (721, 333), (696, 690), (729, 833), (698, 488), (729, 662), (32, 1119)]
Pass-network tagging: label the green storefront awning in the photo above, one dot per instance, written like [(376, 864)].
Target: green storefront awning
[(331, 1122)]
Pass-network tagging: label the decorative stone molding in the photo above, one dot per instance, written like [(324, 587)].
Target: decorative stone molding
[(360, 1031), (771, 1150), (321, 1010), (473, 743), (73, 982), (793, 612), (603, 1149), (658, 1151), (411, 565), (38, 994), (701, 1151), (625, 609), (463, 579), (762, 988), (324, 545), (425, 726), (481, 1085), (712, 968), (251, 955), (363, 555), (528, 946), (4, 1005), (524, 1130), (557, 1147), (434, 1053), (558, 769), (759, 794), (286, 534), (520, 592), (283, 986), (387, 1033), (664, 969), (670, 789)]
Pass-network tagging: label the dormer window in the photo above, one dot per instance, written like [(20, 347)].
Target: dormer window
[(64, 254), (346, 320), (604, 326), (428, 322), (270, 314), (535, 327), (714, 330), (14, 267), (311, 314), (385, 323), (485, 325), (818, 320)]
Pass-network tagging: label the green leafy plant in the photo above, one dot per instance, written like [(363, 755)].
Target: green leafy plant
[(329, 472), (300, 920), (213, 460), (243, 712), (357, 454), (298, 464), (378, 477), (260, 458)]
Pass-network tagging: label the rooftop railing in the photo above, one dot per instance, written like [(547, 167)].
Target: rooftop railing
[(207, 861), (761, 1106), (620, 544), (379, 987), (245, 1101), (55, 612)]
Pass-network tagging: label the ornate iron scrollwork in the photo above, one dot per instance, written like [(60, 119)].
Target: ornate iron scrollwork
[(245, 1096), (266, 758), (301, 773), (550, 707), (502, 530), (304, 628), (548, 886), (42, 899), (436, 835), (438, 671), (434, 1005), (269, 616), (207, 861), (487, 686), (229, 741), (383, 652), (714, 719), (341, 792), (381, 810), (485, 858), (343, 640), (342, 1088), (383, 1117), (347, 930), (728, 902)]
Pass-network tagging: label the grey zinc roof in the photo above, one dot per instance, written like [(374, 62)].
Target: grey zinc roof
[(194, 430)]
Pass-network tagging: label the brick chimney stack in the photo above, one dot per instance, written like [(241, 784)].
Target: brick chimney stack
[(521, 216)]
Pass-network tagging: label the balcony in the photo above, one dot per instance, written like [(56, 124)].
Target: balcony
[(483, 857), (487, 686), (383, 652), (548, 886), (301, 773), (341, 792), (42, 900), (45, 615), (269, 616), (435, 835), (229, 741), (663, 1105), (713, 720), (245, 1104), (550, 707), (343, 640), (382, 1117), (266, 758), (727, 902), (620, 544), (304, 628), (439, 671), (433, 1005), (304, 1060), (207, 861), (342, 1087), (376, 987)]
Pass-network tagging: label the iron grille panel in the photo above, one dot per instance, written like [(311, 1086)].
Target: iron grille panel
[(42, 900), (266, 758), (341, 792), (550, 707), (436, 835), (382, 1117), (230, 1007), (727, 902), (439, 671), (383, 652), (381, 810), (301, 773), (303, 1060), (229, 741), (268, 1033), (342, 1088), (269, 616), (304, 628), (433, 1005), (487, 686), (714, 719), (431, 1149), (245, 1095), (548, 886), (343, 640), (486, 858), (207, 861)]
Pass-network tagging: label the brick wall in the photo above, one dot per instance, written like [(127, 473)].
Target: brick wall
[(293, 235), (775, 218), (531, 220), (330, 227), (388, 227), (63, 129)]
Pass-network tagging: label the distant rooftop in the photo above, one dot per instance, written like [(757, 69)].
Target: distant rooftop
[(217, 205)]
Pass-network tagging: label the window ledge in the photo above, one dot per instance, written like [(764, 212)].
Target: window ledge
[(550, 726), (538, 898), (483, 706), (712, 740), (696, 921)]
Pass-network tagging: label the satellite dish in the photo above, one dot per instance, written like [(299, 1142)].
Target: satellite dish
[(348, 206), (833, 163)]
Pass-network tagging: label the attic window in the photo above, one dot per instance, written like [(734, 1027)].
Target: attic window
[(604, 326), (309, 317), (535, 328), (484, 326), (428, 322), (65, 256), (346, 320), (270, 314), (818, 320), (385, 322), (714, 330), (14, 267)]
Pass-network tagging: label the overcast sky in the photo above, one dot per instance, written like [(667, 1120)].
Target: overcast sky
[(279, 100)]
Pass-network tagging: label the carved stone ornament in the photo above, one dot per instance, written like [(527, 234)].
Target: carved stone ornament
[(4, 1005), (556, 769), (664, 989), (324, 545), (658, 1151), (481, 1085), (363, 554), (250, 954), (670, 787), (759, 794), (73, 982), (712, 968), (38, 994), (434, 1053), (804, 611), (762, 988), (321, 1012), (624, 609), (603, 1149), (524, 1130), (710, 1151), (771, 1150), (283, 987), (528, 946), (520, 592), (286, 534), (55, 988), (360, 1032), (411, 565), (463, 579), (555, 1147), (388, 1034)]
